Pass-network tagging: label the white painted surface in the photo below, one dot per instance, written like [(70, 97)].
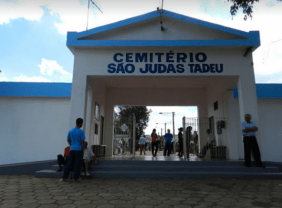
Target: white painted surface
[(33, 129)]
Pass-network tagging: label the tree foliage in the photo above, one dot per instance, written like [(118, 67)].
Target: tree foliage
[(141, 114), (246, 5)]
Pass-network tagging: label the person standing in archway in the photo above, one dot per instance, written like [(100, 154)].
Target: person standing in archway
[(154, 142), (180, 142), (168, 138)]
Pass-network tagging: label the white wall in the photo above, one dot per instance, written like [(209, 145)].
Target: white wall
[(270, 117), (33, 129)]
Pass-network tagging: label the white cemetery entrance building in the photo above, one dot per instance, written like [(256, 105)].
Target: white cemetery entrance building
[(179, 61)]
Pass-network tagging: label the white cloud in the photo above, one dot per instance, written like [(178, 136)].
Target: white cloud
[(13, 9), (49, 67), (24, 78)]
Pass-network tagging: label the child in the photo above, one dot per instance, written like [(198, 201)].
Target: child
[(88, 155)]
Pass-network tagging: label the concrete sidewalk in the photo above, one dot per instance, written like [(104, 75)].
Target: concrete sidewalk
[(28, 191)]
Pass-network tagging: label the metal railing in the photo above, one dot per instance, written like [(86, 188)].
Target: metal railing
[(197, 141)]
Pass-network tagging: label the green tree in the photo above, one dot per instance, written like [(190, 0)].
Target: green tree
[(246, 5), (141, 113)]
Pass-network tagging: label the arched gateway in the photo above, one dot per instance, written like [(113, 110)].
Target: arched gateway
[(181, 62)]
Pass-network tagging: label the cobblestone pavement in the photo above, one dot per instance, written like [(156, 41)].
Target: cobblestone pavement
[(28, 191)]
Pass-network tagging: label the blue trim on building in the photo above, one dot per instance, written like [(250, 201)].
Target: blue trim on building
[(74, 38), (32, 89), (163, 43), (265, 91)]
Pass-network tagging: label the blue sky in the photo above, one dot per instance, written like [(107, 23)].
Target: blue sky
[(33, 34)]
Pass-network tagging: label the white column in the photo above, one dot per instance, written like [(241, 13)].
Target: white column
[(248, 101), (88, 119), (109, 128), (203, 124), (234, 139), (78, 100)]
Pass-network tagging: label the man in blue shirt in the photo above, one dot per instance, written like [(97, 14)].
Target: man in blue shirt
[(76, 137), (168, 138), (250, 142)]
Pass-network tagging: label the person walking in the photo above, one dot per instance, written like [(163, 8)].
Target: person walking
[(250, 142), (76, 137), (180, 142), (154, 143), (168, 138), (142, 142)]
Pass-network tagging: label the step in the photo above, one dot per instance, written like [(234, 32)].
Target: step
[(166, 174)]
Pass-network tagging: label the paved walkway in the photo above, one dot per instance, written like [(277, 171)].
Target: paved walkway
[(28, 191)]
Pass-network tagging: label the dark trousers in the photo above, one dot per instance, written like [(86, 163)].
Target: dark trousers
[(250, 144), (74, 161), (167, 149), (61, 160), (155, 144), (180, 151), (205, 149)]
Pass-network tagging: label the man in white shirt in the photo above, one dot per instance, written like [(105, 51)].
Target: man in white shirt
[(209, 145), (142, 142), (250, 142)]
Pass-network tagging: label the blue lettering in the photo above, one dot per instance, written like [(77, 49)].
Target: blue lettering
[(127, 66), (115, 57), (221, 69), (212, 68), (120, 68), (191, 58), (203, 59), (169, 57), (129, 57), (181, 57), (161, 68), (206, 68), (141, 57), (151, 57), (155, 70), (159, 56), (144, 71), (112, 68), (191, 67), (197, 68), (171, 68), (180, 68)]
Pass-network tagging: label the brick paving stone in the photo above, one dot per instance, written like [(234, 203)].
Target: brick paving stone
[(64, 201), (60, 197), (44, 197), (9, 205), (69, 206), (100, 202), (135, 202), (81, 202), (105, 206), (48, 206), (86, 206), (182, 206), (144, 198), (10, 201), (46, 201), (124, 206), (144, 206), (74, 194), (30, 205), (30, 201)]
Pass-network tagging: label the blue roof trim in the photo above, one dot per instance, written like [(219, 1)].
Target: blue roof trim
[(118, 24), (32, 89), (253, 38), (265, 91), (178, 43), (206, 24)]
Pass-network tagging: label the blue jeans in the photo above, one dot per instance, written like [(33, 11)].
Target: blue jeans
[(167, 149), (74, 162)]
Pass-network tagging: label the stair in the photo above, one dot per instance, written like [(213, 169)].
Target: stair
[(173, 169)]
